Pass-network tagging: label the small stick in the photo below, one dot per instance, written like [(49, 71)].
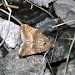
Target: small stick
[(50, 66), (40, 8), (52, 54), (68, 38), (8, 23), (0, 4), (12, 6), (66, 65), (31, 6), (55, 40), (11, 16), (63, 24)]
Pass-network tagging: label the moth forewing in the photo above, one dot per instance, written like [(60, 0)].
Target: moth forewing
[(33, 41)]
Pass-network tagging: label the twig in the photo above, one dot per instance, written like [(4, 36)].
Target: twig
[(66, 65), (0, 4), (68, 38), (8, 23), (12, 6), (54, 44), (31, 6), (11, 16), (63, 24), (52, 54), (49, 66), (53, 48), (44, 57), (40, 8)]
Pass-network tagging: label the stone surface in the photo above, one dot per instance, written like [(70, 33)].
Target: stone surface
[(62, 45), (31, 65), (1, 67), (70, 69), (46, 24), (13, 37), (47, 72), (65, 9), (3, 52), (42, 2), (57, 54)]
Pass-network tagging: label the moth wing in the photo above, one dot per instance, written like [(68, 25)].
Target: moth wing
[(42, 42), (26, 49), (36, 41), (32, 48), (27, 32)]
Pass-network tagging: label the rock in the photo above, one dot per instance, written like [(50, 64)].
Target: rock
[(47, 72), (59, 53), (15, 1), (1, 67), (46, 24), (13, 37), (1, 71), (42, 2), (31, 65), (3, 52), (70, 69), (62, 45), (65, 9)]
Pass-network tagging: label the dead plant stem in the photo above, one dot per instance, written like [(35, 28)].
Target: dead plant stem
[(11, 16), (40, 8), (63, 23), (8, 23), (66, 65)]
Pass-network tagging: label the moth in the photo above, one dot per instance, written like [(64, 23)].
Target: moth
[(33, 41)]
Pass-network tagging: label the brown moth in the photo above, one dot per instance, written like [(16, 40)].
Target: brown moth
[(33, 41)]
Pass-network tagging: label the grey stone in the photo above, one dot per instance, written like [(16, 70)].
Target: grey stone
[(31, 65), (62, 45), (46, 24), (13, 37), (57, 54), (42, 2), (65, 9), (47, 72), (1, 67), (70, 69), (3, 52)]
